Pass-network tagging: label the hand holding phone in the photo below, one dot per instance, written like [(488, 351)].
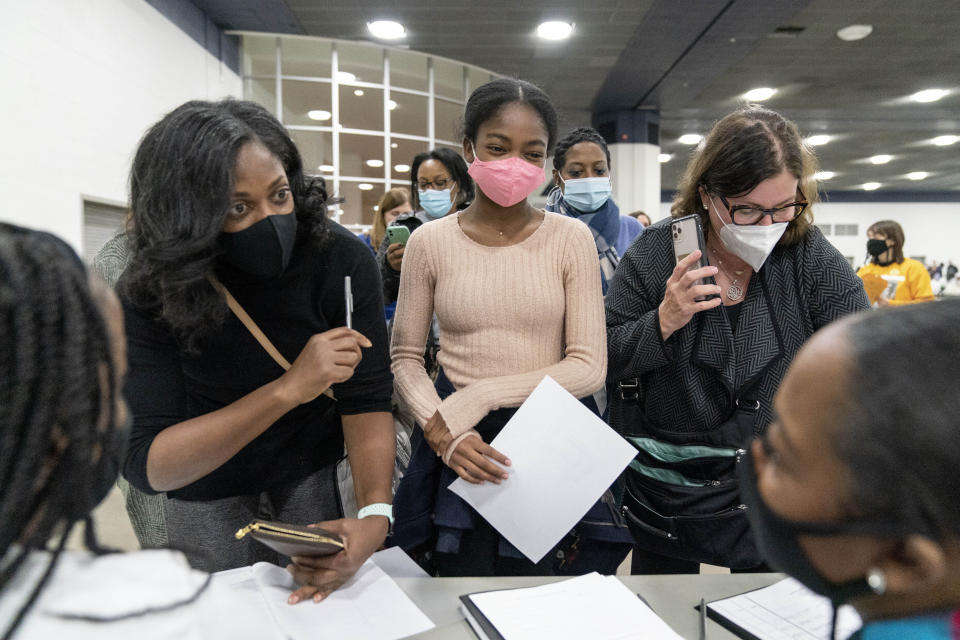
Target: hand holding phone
[(398, 234), (691, 287)]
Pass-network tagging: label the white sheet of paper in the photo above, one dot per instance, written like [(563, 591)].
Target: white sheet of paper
[(786, 610), (590, 606), (370, 606), (563, 458), (397, 564)]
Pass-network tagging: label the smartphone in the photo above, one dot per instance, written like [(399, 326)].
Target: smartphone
[(398, 234), (687, 238)]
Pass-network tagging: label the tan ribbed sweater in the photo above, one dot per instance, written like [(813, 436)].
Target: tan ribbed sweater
[(508, 316)]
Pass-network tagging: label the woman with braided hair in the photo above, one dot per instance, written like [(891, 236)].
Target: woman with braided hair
[(63, 430)]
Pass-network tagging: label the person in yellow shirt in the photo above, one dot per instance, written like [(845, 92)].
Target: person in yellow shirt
[(885, 246)]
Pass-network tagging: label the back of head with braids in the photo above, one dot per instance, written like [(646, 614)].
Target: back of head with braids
[(58, 442)]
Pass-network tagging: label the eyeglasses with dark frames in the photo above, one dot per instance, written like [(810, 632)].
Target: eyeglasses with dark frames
[(439, 184), (745, 214)]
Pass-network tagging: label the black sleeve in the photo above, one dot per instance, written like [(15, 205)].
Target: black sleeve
[(371, 387), (154, 389), (390, 277)]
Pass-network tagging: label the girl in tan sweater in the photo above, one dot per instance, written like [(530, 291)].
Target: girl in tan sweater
[(517, 295)]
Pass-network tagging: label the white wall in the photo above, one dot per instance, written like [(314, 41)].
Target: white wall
[(930, 229), (81, 83)]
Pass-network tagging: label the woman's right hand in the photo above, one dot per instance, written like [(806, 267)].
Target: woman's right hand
[(679, 301), (328, 358), (395, 255)]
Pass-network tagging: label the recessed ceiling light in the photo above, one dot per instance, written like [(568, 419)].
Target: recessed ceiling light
[(817, 140), (401, 168), (690, 138), (855, 32), (386, 29), (664, 157), (365, 186), (346, 76), (918, 175), (759, 94), (929, 95), (823, 175), (326, 168), (392, 104), (870, 186), (394, 145), (554, 30), (945, 141), (319, 114), (882, 158), (376, 164), (376, 207), (358, 92)]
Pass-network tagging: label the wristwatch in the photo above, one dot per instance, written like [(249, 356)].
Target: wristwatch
[(378, 509)]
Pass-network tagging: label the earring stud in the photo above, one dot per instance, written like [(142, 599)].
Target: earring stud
[(877, 581)]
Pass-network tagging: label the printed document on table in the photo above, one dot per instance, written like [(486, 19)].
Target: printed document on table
[(563, 458), (785, 610), (591, 606)]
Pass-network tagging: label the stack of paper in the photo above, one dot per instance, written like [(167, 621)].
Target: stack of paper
[(563, 458), (591, 606)]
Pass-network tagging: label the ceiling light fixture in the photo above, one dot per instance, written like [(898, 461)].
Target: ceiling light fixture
[(358, 92), (346, 76), (376, 164), (690, 138), (882, 158), (870, 186), (394, 145), (759, 94), (554, 30), (929, 95), (824, 175), (664, 157), (819, 139), (326, 168), (945, 141), (386, 29), (855, 32), (401, 168), (365, 186), (319, 114), (918, 175)]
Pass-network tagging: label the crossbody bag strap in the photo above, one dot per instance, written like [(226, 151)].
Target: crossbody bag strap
[(254, 330)]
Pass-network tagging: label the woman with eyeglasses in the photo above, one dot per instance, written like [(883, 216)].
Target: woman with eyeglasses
[(698, 352)]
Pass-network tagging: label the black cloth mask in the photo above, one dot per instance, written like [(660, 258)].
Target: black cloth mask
[(264, 248), (876, 248)]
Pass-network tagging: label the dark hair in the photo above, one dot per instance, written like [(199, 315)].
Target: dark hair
[(458, 171), (900, 438), (891, 230), (56, 404), (743, 149), (180, 187), (583, 134), (487, 99)]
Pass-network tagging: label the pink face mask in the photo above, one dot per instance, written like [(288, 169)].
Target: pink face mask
[(506, 181)]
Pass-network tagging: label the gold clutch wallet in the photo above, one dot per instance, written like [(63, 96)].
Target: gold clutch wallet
[(292, 539)]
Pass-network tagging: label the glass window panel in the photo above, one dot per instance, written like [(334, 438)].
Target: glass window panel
[(475, 76), (447, 79), (262, 91), (410, 115), (361, 112), (259, 56), (447, 117), (408, 70), (300, 97), (316, 149), (356, 150), (302, 57), (402, 153), (363, 61), (358, 204)]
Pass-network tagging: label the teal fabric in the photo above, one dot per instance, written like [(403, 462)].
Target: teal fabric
[(942, 627), (668, 452)]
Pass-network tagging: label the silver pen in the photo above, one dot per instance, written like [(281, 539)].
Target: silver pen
[(348, 295)]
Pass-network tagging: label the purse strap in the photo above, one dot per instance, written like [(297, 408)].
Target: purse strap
[(254, 330)]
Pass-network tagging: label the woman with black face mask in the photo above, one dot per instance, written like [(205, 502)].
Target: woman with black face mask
[(853, 488), (221, 206), (889, 277)]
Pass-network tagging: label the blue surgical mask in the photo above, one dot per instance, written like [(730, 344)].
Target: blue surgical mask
[(436, 203), (586, 195)]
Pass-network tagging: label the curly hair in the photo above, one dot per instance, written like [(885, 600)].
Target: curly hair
[(180, 187), (742, 150), (581, 134)]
